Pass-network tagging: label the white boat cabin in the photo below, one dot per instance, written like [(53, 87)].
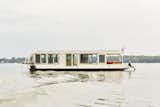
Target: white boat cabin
[(78, 60)]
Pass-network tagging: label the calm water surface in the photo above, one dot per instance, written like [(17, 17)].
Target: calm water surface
[(19, 88)]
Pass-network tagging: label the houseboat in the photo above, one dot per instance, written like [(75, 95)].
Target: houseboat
[(77, 60)]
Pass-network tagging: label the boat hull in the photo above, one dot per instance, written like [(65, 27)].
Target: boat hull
[(118, 67), (94, 69)]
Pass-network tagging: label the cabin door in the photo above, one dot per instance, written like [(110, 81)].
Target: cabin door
[(71, 59)]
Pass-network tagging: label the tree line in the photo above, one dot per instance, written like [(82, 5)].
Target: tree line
[(142, 59), (126, 58), (12, 60)]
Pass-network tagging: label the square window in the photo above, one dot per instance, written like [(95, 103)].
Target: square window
[(101, 58)]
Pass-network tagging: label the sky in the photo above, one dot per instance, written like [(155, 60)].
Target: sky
[(30, 25)]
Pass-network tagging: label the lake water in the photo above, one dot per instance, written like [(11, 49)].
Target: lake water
[(19, 88)]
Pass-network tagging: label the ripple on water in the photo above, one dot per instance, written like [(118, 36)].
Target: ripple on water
[(83, 105)]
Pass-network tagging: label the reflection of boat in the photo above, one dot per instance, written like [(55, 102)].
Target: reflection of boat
[(106, 76), (100, 76), (77, 60)]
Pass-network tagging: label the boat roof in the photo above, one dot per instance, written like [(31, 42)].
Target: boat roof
[(112, 52)]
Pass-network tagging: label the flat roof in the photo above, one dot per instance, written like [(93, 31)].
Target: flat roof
[(82, 51)]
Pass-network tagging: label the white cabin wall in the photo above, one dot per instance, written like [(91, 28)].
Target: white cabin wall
[(62, 58), (34, 58)]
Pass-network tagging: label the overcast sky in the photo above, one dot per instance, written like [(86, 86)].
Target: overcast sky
[(30, 25)]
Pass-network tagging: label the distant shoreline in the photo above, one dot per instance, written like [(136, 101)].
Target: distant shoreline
[(127, 58), (141, 59)]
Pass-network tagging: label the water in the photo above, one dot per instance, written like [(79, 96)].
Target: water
[(19, 88)]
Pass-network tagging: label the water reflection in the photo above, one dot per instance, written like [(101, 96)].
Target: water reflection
[(114, 98), (106, 76), (80, 89), (75, 76)]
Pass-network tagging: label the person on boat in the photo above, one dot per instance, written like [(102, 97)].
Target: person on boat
[(130, 65)]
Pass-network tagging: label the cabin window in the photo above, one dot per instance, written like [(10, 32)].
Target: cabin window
[(101, 58), (114, 59), (84, 58), (52, 58), (55, 57), (93, 58), (43, 58), (68, 59), (88, 58), (37, 58)]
